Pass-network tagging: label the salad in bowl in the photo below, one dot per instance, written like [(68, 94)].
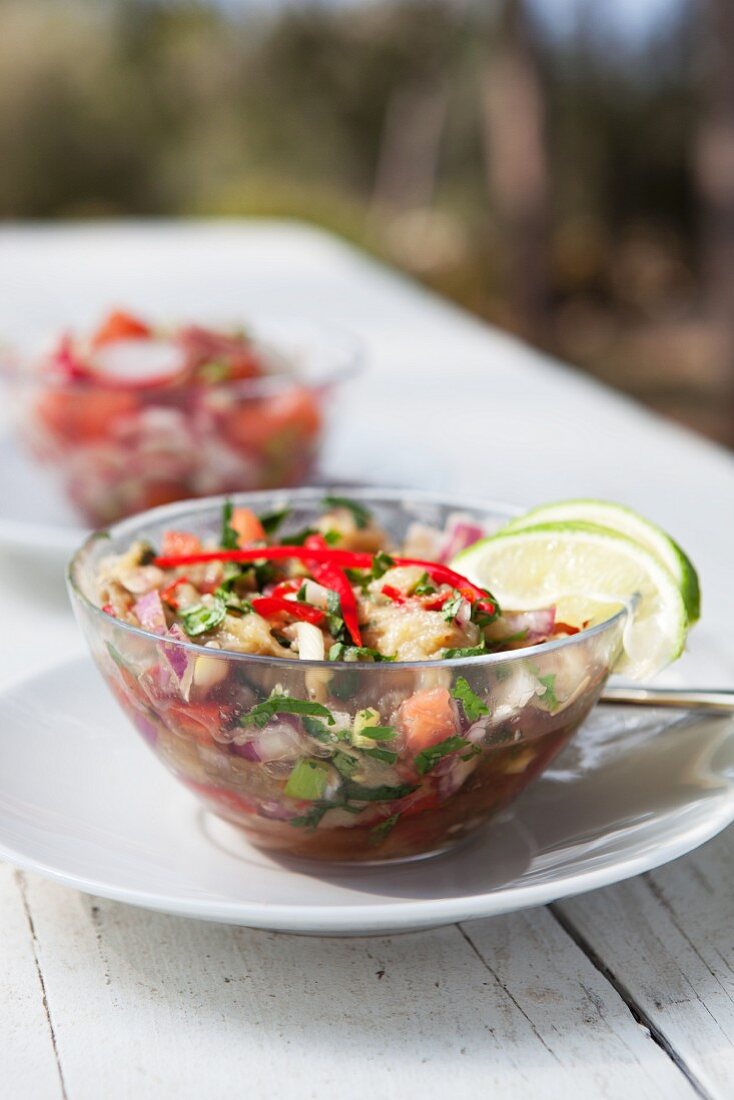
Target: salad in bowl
[(135, 415), (367, 678)]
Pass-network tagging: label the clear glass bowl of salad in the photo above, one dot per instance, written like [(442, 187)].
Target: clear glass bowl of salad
[(134, 415), (315, 672)]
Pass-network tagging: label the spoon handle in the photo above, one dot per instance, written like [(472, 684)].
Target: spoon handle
[(711, 699)]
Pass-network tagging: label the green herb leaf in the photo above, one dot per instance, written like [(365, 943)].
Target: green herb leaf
[(202, 618), (358, 578), (549, 695), (375, 794), (466, 651), (379, 832), (232, 601), (228, 540), (452, 607), (334, 618), (262, 713), (299, 537), (271, 521), (362, 515), (346, 765), (387, 756), (341, 652), (315, 728), (378, 733), (308, 780), (311, 819), (425, 586), (500, 643), (380, 565), (428, 758), (331, 538), (473, 706)]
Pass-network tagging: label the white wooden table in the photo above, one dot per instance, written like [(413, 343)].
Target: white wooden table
[(627, 992)]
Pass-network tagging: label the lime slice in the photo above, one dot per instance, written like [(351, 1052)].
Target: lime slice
[(625, 522), (588, 572)]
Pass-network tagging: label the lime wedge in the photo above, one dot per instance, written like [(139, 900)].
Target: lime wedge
[(625, 522), (588, 572)]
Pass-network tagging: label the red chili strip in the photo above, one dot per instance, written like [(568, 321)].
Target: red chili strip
[(331, 576), (393, 594), (267, 606), (341, 559), (285, 588)]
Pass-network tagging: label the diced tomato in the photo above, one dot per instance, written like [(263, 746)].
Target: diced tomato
[(198, 720), (179, 542), (427, 717), (255, 425), (120, 326), (83, 415), (247, 525)]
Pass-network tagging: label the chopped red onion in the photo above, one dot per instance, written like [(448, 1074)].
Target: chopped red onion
[(461, 531), (150, 613)]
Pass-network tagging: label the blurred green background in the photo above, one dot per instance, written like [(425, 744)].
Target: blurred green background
[(564, 168)]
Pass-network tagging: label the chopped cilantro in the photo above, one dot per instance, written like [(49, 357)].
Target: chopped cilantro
[(549, 695), (298, 537), (466, 651), (428, 758), (358, 578), (379, 832), (346, 765), (311, 819), (315, 728), (341, 652), (387, 756), (473, 706), (331, 538), (271, 521), (482, 617), (452, 607), (334, 617), (362, 515), (203, 617), (359, 793), (380, 564), (378, 733), (261, 713), (425, 586), (228, 539), (232, 601)]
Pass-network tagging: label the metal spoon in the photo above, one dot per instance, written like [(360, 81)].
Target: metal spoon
[(710, 699)]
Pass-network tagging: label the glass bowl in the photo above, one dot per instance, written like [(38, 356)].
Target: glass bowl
[(188, 703), (115, 449)]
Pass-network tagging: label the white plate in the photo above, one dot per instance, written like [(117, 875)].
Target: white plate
[(84, 802)]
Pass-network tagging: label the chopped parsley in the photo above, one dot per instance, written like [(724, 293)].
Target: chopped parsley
[(426, 760), (262, 713), (378, 733), (379, 832), (549, 695), (452, 607), (466, 651), (362, 516), (315, 728), (229, 540), (473, 706), (387, 756), (203, 617), (334, 617), (271, 521), (342, 652)]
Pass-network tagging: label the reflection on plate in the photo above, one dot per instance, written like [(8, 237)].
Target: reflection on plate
[(83, 801)]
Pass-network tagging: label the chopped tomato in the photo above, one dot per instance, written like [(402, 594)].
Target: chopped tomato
[(180, 542), (83, 415), (247, 525), (199, 721), (426, 718), (255, 425), (120, 326)]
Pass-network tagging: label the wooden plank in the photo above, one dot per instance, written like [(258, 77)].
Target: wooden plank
[(28, 1064), (666, 938), (150, 1005)]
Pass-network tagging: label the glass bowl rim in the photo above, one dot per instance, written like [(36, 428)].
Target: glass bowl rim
[(305, 494), (348, 354)]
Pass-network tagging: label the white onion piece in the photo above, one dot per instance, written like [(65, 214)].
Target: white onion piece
[(277, 741), (315, 594), (538, 624), (136, 362), (310, 642), (208, 672)]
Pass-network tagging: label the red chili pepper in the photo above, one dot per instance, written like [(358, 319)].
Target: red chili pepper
[(340, 559), (285, 588), (393, 594), (565, 628), (109, 610), (331, 576), (277, 605), (167, 593), (435, 603)]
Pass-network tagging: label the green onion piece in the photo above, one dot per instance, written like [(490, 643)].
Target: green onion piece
[(308, 780), (202, 618), (428, 758)]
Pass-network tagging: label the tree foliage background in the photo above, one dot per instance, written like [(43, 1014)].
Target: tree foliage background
[(575, 188)]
